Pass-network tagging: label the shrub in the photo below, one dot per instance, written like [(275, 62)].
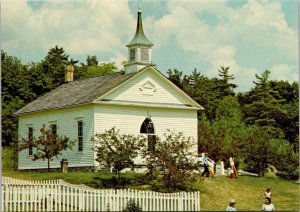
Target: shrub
[(132, 206)]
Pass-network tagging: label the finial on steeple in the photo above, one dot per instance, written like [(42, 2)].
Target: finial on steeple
[(139, 37), (139, 9), (139, 48)]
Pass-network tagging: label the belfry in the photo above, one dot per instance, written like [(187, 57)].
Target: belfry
[(139, 49)]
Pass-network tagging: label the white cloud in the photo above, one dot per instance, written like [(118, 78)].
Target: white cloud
[(284, 72), (80, 27), (207, 32), (257, 29)]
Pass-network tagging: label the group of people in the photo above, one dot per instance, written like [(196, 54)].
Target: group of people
[(267, 206), (208, 170)]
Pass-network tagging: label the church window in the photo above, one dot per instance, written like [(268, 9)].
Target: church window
[(147, 127), (30, 138), (144, 54), (53, 131), (132, 55), (80, 135)]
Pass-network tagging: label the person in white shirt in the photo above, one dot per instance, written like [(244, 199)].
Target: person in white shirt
[(232, 166), (268, 206), (268, 193), (231, 206)]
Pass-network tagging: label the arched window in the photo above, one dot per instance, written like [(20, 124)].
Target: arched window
[(147, 127)]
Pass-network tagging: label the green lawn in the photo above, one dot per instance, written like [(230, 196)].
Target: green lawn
[(215, 193), (248, 193)]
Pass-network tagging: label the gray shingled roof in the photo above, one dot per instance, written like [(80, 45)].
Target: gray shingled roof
[(76, 93)]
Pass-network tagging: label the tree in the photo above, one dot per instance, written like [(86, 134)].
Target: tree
[(229, 120), (91, 60), (48, 145), (175, 76), (264, 107), (92, 68), (117, 150), (211, 140), (16, 91), (289, 123), (175, 157), (256, 149), (202, 90), (224, 86), (261, 148)]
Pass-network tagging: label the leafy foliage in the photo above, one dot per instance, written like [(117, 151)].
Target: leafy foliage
[(16, 91), (174, 158), (270, 104), (132, 206), (92, 68), (117, 150), (265, 109), (47, 145), (220, 138)]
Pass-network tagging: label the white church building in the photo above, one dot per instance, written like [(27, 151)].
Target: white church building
[(128, 100)]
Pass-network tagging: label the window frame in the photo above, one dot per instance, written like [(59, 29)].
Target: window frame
[(144, 54), (80, 135), (132, 55), (53, 127), (30, 139)]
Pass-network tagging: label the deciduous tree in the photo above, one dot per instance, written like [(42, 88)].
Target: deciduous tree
[(175, 157), (47, 146), (117, 150)]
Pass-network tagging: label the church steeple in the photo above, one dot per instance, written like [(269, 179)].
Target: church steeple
[(139, 49)]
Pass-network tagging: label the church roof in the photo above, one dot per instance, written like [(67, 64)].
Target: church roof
[(139, 37), (76, 93)]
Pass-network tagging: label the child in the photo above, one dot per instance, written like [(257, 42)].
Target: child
[(211, 171), (232, 175), (268, 193)]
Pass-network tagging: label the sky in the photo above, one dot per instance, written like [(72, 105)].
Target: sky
[(250, 36)]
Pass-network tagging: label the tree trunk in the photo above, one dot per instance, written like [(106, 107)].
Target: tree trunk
[(15, 155), (48, 164)]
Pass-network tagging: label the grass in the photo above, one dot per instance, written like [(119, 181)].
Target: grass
[(215, 193), (248, 193)]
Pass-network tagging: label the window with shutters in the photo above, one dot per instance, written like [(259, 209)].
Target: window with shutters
[(30, 139), (80, 135), (53, 130), (144, 54), (132, 55)]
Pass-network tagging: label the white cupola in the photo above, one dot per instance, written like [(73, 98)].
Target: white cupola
[(139, 49)]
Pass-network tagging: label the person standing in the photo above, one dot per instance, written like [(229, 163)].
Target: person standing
[(205, 164), (268, 193), (231, 206), (268, 206), (232, 166)]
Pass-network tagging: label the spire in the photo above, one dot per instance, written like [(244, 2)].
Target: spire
[(139, 49), (139, 37)]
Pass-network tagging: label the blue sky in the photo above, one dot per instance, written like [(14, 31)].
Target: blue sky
[(249, 36)]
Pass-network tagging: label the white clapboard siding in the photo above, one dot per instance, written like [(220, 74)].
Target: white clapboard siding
[(130, 119), (57, 195), (66, 120), (151, 87)]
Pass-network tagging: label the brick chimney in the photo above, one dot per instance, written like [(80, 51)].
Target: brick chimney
[(69, 73)]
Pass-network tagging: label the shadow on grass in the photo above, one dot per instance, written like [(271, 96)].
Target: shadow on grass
[(115, 182)]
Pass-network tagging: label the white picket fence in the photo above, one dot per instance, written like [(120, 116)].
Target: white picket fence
[(57, 195)]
